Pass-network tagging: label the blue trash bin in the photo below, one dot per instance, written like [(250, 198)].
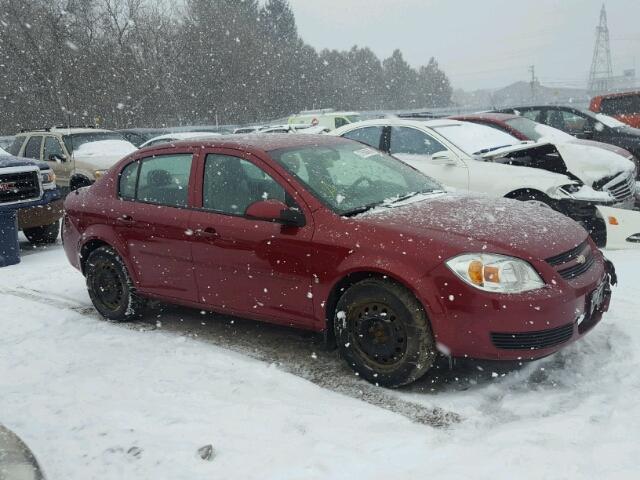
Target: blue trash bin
[(9, 245)]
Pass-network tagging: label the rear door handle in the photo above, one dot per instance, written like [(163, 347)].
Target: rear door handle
[(125, 220), (208, 232)]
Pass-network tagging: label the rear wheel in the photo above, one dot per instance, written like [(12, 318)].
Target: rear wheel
[(110, 286), (43, 235), (383, 333)]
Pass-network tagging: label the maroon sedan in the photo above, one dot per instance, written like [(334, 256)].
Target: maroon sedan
[(326, 234)]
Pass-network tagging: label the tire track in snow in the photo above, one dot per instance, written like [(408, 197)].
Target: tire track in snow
[(293, 351)]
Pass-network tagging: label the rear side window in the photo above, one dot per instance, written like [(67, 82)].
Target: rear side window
[(413, 142), (15, 147), (367, 135), (32, 150), (163, 180), (128, 180)]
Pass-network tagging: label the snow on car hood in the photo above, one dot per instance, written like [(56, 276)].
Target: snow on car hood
[(511, 225), (591, 164), (103, 153)]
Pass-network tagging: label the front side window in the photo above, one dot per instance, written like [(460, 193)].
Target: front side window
[(32, 150), (367, 135), (535, 115), (231, 184), (566, 121), (52, 149), (405, 140), (349, 177), (128, 179), (164, 180)]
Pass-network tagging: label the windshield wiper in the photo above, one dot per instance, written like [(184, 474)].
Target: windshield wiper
[(487, 150), (364, 208)]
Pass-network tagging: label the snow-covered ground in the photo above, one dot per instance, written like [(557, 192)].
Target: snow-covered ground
[(100, 400)]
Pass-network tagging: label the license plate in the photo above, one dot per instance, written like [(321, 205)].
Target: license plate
[(597, 298)]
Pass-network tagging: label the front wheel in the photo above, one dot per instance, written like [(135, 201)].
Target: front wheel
[(110, 286), (43, 235), (383, 333)]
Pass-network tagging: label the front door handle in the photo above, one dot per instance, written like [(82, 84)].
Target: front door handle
[(208, 232), (125, 220)]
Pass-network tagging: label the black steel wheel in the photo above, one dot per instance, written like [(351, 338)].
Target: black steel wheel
[(110, 286), (383, 333)]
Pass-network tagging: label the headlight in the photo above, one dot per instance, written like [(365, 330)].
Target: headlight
[(99, 173), (495, 273), (48, 178)]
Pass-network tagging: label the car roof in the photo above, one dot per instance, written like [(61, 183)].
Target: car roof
[(496, 117), (64, 131), (257, 141), (441, 122), (619, 94)]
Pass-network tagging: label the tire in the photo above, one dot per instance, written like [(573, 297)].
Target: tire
[(43, 235), (383, 333), (110, 286)]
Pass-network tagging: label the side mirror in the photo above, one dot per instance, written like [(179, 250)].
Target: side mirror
[(443, 158), (54, 157), (275, 211)]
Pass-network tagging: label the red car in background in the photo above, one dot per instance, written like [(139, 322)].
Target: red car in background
[(621, 106), (326, 234)]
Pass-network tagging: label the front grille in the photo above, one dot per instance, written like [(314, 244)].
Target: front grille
[(532, 340), (19, 186), (574, 262), (621, 189), (567, 256), (578, 269)]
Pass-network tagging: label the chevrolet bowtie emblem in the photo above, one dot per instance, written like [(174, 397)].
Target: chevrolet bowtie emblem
[(581, 259)]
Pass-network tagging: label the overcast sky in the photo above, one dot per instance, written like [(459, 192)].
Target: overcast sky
[(479, 43)]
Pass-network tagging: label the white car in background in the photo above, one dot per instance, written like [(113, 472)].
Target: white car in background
[(477, 158), (177, 136)]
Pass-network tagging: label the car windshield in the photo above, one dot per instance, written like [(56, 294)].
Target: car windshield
[(475, 139), (535, 131), (76, 140), (350, 178)]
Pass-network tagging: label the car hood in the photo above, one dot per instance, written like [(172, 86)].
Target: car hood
[(591, 164), (11, 161), (498, 224)]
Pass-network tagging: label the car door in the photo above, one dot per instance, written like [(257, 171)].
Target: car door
[(152, 220), (243, 265), (54, 155), (417, 148)]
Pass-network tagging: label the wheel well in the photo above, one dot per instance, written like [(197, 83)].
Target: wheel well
[(337, 292), (86, 250), (525, 191)]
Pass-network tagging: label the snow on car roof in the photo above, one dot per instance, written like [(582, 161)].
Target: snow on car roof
[(259, 141)]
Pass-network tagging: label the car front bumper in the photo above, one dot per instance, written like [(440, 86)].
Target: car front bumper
[(481, 325), (45, 212)]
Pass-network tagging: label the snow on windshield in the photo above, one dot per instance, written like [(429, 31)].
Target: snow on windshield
[(473, 138), (105, 147), (2, 152)]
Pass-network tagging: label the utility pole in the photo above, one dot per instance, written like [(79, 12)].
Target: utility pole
[(601, 73), (534, 81)]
